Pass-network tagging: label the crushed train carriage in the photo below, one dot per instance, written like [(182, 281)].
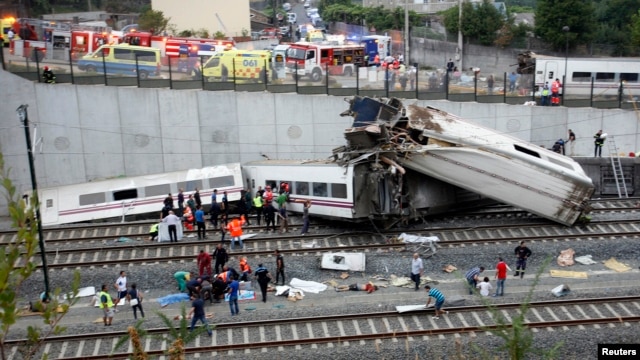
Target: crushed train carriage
[(485, 161)]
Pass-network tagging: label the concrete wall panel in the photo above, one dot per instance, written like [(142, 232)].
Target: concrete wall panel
[(180, 129), (328, 125), (584, 122), (63, 153), (219, 136), (101, 132), (256, 125), (294, 127), (141, 131)]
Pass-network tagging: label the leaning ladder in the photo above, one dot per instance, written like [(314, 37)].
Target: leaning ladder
[(618, 175)]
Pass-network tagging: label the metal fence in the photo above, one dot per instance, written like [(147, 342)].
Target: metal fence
[(422, 84)]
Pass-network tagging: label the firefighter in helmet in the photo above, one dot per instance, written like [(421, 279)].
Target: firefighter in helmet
[(48, 76)]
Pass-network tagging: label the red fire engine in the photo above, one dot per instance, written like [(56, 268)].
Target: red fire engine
[(49, 37), (169, 46), (313, 59)]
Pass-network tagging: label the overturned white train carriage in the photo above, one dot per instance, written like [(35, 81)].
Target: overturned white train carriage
[(499, 166), (115, 198)]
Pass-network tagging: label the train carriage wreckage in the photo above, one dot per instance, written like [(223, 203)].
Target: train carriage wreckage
[(435, 144)]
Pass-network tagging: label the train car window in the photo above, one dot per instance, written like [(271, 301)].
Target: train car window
[(156, 190), (581, 76), (272, 184), (125, 194), (605, 77), (49, 203), (320, 189), (339, 191), (90, 199), (190, 185), (301, 188), (285, 184), (561, 163), (629, 77), (527, 151), (221, 181)]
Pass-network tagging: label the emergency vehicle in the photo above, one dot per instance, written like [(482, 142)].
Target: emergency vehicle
[(376, 45), (190, 55), (86, 39), (313, 60), (169, 46), (238, 65), (279, 60), (5, 25)]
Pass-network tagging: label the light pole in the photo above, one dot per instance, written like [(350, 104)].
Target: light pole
[(406, 32), (565, 29), (24, 118)]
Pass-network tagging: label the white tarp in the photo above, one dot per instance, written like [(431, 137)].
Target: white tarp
[(83, 292), (585, 260), (408, 238), (163, 232), (407, 308), (343, 261), (307, 286)]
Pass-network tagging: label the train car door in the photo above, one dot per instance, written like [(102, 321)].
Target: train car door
[(49, 206), (551, 72)]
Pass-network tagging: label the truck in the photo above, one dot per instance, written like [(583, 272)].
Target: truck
[(314, 60), (190, 55), (376, 45)]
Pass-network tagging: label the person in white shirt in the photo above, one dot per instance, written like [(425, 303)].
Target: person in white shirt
[(417, 268), (485, 287), (121, 287), (172, 220)]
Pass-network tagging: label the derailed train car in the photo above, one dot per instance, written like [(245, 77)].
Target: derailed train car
[(359, 190), (499, 166)]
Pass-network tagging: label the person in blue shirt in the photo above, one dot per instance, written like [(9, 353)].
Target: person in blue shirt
[(436, 294), (197, 311), (233, 296), (200, 222)]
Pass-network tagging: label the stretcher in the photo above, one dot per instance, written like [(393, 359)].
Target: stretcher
[(423, 245)]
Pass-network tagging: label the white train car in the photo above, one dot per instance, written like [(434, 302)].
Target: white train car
[(360, 190), (115, 198), (479, 159), (607, 74)]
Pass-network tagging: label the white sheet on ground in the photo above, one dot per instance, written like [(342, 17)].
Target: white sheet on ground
[(343, 261), (408, 238), (308, 286), (83, 292), (585, 260), (280, 290), (407, 308)]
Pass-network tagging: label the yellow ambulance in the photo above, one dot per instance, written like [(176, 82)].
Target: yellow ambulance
[(238, 65)]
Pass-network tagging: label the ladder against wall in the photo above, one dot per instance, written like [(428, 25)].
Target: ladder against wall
[(616, 166)]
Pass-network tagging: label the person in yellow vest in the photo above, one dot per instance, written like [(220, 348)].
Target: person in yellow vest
[(106, 305), (258, 203), (153, 231)]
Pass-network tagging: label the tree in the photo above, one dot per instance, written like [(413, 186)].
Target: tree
[(16, 267), (635, 29), (479, 22), (553, 15), (153, 21)]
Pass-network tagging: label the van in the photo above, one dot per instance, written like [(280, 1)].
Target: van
[(121, 59), (243, 65)]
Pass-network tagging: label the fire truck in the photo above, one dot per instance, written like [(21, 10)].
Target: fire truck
[(54, 40), (314, 60), (169, 46)]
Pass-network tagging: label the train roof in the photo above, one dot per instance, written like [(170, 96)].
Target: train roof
[(292, 162), (605, 59)]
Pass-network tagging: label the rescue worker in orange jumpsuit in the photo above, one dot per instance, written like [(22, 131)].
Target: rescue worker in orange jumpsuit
[(245, 269), (235, 229), (555, 92), (188, 218)]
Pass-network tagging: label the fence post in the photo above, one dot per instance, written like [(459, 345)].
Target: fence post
[(234, 75), (446, 86), (202, 72), (266, 76), (138, 71), (4, 66), (533, 88), (620, 91), (475, 86), (358, 79), (386, 80), (71, 67), (415, 65), (327, 79), (296, 76), (591, 96), (37, 65), (171, 72), (104, 69), (504, 88)]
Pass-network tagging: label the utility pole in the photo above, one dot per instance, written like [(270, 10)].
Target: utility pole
[(459, 49), (406, 32), (24, 118)]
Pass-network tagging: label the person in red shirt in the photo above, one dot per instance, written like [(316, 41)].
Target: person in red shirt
[(204, 263), (501, 276), (368, 287), (245, 269)]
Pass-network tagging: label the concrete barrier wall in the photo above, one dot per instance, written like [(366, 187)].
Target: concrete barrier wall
[(97, 132)]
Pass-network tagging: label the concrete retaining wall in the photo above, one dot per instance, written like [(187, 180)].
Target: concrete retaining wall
[(97, 132)]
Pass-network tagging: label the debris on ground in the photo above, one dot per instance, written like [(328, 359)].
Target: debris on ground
[(403, 281), (449, 268), (566, 257), (614, 264), (123, 239), (343, 261), (344, 275), (424, 245), (561, 290), (569, 274), (585, 260)]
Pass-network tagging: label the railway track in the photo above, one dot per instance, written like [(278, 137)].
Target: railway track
[(102, 254), (103, 231), (363, 329)]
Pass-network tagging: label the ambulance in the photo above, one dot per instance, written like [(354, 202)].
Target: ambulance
[(238, 65), (123, 59)]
